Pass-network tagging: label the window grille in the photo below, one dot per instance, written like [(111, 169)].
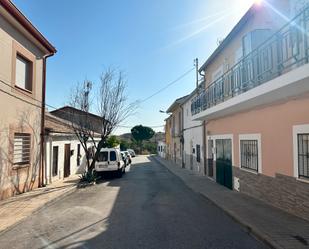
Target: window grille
[(22, 148), (249, 154)]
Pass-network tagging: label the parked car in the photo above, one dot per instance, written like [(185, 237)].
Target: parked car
[(132, 152), (128, 155), (110, 160)]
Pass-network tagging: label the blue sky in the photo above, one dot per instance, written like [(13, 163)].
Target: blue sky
[(153, 42)]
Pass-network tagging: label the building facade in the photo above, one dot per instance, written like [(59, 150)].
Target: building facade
[(256, 106), (176, 131), (193, 138), (23, 52)]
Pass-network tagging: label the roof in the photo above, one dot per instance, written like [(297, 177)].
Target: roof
[(177, 103), (230, 36), (56, 124), (26, 24), (75, 115)]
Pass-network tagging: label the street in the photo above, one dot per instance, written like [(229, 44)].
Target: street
[(148, 207)]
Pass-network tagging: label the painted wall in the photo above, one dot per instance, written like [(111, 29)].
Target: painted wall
[(265, 19), (19, 112), (60, 141), (274, 124), (193, 135)]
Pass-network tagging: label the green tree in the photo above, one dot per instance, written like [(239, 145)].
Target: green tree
[(112, 141), (141, 133), (124, 145)]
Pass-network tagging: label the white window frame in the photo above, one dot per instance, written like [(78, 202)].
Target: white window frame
[(298, 129), (223, 136), (256, 136)]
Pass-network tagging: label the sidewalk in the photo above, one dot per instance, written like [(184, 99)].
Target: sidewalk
[(276, 228), (15, 209)]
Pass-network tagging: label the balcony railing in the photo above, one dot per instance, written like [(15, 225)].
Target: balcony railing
[(284, 51)]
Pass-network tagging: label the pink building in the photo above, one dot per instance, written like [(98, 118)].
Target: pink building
[(256, 106)]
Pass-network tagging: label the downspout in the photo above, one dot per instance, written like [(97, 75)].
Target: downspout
[(182, 137), (42, 173)]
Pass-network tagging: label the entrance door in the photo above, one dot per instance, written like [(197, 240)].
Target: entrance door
[(210, 159), (224, 162), (67, 160), (191, 155)]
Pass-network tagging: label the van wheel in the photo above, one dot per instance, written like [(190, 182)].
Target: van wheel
[(119, 173)]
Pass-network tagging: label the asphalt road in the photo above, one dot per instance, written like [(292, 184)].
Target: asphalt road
[(148, 207)]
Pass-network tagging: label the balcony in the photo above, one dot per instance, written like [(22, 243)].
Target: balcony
[(276, 69)]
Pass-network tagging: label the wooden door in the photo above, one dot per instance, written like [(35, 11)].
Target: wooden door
[(67, 160)]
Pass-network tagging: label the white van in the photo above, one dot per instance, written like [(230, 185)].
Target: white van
[(110, 160)]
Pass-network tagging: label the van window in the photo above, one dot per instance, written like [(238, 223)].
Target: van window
[(112, 156), (103, 157)]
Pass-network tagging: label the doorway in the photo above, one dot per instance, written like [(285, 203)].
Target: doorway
[(67, 160), (224, 162)]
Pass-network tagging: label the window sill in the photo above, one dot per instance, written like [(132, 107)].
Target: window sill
[(249, 171), (20, 166), (24, 90)]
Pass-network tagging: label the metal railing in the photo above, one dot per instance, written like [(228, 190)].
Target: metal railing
[(284, 51)]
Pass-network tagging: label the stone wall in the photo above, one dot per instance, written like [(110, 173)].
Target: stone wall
[(281, 191)]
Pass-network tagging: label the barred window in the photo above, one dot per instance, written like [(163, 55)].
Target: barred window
[(249, 154), (303, 155), (198, 153), (22, 147)]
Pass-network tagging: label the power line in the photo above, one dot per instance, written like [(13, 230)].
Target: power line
[(168, 85)]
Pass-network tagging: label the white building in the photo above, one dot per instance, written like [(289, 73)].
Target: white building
[(64, 153), (193, 139), (161, 149)]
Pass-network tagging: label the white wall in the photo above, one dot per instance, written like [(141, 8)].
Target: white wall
[(193, 135), (60, 141), (162, 151)]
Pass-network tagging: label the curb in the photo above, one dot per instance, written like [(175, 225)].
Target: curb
[(48, 203), (248, 227)]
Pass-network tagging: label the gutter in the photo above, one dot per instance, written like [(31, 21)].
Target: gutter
[(21, 19), (42, 173)]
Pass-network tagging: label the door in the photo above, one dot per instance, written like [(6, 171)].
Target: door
[(210, 159), (67, 160), (55, 160), (102, 162), (224, 162), (191, 155)]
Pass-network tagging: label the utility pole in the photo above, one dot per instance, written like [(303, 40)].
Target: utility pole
[(196, 69)]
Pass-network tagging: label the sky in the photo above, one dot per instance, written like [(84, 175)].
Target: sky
[(152, 42)]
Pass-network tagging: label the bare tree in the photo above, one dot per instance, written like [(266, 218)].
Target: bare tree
[(112, 109)]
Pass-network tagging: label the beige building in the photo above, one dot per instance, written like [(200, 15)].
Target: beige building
[(23, 53), (175, 137), (256, 106)]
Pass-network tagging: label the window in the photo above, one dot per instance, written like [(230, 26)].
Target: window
[(22, 146), (23, 73), (198, 153), (103, 157), (303, 155), (78, 155), (249, 154), (55, 160), (112, 155)]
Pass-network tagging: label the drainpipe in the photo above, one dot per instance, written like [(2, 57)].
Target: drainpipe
[(42, 172), (182, 138)]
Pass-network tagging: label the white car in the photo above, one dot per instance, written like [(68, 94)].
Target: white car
[(110, 160)]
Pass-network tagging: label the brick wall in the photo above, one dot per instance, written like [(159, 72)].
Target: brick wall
[(281, 191)]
